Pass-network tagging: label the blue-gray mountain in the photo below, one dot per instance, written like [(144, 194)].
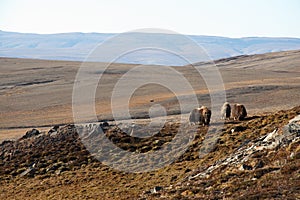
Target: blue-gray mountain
[(77, 46)]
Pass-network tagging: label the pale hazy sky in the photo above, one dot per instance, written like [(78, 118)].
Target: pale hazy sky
[(230, 18)]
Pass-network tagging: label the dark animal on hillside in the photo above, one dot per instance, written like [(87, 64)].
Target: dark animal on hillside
[(194, 116), (200, 116), (238, 112), (225, 111)]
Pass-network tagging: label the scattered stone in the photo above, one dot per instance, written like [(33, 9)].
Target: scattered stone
[(157, 142), (64, 152), (245, 167), (31, 133), (6, 142), (61, 150), (259, 164), (271, 141), (187, 193), (238, 129), (146, 149), (156, 189), (29, 172), (54, 129), (104, 124)]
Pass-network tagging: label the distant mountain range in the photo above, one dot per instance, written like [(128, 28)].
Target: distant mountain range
[(77, 46)]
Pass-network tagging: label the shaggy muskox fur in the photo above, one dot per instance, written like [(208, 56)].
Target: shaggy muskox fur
[(225, 111), (200, 115), (238, 112)]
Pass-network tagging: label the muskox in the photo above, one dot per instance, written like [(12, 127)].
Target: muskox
[(200, 115), (225, 111), (238, 112)]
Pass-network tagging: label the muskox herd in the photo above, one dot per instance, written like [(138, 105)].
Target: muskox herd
[(202, 115), (236, 111)]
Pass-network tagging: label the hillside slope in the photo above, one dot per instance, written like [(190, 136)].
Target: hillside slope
[(32, 88), (259, 159)]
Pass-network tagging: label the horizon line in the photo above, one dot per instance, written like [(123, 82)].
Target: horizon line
[(111, 33)]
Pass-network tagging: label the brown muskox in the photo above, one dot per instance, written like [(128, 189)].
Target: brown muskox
[(225, 111), (238, 112), (200, 115)]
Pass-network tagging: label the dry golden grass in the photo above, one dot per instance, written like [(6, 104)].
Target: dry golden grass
[(38, 93)]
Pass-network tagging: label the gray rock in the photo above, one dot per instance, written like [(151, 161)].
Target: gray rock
[(273, 140), (29, 172), (246, 167), (31, 133), (156, 189)]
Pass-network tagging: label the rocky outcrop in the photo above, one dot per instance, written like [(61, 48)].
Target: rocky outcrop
[(31, 133), (274, 140), (264, 162), (40, 153), (64, 148)]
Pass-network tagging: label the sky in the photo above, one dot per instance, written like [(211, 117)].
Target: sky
[(228, 18)]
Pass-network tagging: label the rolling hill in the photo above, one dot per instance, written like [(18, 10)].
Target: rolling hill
[(77, 46)]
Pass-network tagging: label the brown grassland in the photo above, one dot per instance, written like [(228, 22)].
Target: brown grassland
[(38, 94)]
